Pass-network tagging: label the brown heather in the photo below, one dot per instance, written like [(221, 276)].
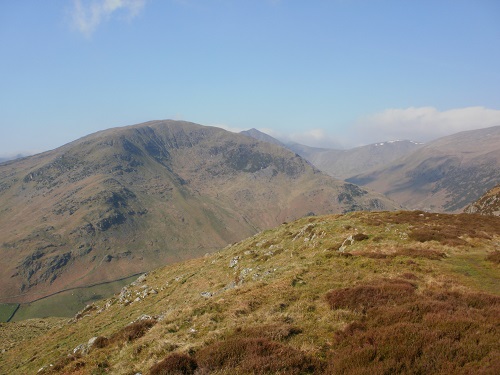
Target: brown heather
[(494, 257), (286, 301), (443, 332), (175, 364)]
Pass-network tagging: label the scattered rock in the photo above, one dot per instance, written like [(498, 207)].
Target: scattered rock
[(348, 241), (83, 349), (139, 280), (233, 262), (145, 317), (304, 231)]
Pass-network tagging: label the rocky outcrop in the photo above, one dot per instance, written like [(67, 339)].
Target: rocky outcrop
[(488, 204)]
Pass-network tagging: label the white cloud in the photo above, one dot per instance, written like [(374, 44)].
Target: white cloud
[(87, 15), (421, 124)]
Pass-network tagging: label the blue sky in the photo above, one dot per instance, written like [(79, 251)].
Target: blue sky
[(336, 73)]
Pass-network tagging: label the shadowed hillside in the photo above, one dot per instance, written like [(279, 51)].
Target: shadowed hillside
[(129, 199)]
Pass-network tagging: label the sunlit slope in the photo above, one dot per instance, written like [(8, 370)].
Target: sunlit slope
[(408, 292)]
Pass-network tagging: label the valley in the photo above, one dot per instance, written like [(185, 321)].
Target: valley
[(250, 259)]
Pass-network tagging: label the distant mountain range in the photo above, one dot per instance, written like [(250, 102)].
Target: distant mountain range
[(347, 163), (129, 199), (343, 164), (444, 175)]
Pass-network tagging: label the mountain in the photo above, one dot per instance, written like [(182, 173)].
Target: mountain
[(343, 164), (488, 204), (378, 293), (260, 136), (444, 175), (127, 200)]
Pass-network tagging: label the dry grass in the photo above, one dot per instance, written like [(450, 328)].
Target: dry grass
[(291, 304), (410, 252), (132, 331)]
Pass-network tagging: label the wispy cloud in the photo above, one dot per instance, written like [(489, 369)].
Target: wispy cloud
[(87, 15), (421, 123)]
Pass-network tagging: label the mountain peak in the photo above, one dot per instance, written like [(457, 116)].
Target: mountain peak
[(124, 200)]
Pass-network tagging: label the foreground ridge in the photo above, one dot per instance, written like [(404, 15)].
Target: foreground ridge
[(402, 292)]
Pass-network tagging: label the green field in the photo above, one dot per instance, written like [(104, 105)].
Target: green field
[(66, 304), (6, 310)]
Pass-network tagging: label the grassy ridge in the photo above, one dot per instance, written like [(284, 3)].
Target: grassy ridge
[(400, 298)]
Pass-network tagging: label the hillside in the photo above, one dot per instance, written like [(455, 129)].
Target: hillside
[(129, 199), (488, 204), (403, 292), (444, 175)]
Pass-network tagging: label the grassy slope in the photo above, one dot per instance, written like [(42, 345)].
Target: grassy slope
[(6, 310), (67, 304), (419, 281)]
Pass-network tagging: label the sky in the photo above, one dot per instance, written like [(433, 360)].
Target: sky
[(326, 73)]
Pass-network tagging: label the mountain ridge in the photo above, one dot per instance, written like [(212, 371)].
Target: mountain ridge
[(124, 200)]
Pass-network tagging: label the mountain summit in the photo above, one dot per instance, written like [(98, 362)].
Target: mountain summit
[(129, 199)]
